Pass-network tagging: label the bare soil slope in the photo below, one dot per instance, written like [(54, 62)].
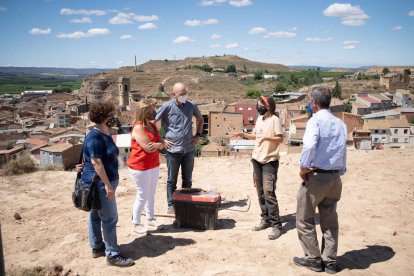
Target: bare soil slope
[(375, 212)]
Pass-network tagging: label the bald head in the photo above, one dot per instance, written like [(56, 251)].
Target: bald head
[(179, 89)]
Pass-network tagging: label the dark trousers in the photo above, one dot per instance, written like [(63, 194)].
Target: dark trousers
[(265, 177), (174, 161)]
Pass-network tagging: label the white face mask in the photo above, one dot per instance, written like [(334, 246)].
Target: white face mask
[(182, 99)]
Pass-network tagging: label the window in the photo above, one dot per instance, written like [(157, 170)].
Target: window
[(375, 140), (395, 131), (395, 140), (249, 108), (240, 108), (384, 131), (376, 131), (405, 131), (406, 140)]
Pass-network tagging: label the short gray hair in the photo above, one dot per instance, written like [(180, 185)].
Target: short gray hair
[(322, 96)]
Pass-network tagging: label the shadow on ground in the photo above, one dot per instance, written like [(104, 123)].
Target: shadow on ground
[(152, 246), (363, 258)]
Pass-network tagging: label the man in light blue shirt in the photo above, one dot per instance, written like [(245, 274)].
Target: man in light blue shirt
[(322, 162), (176, 118)]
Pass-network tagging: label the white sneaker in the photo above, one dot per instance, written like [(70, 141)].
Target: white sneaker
[(140, 229), (155, 224)]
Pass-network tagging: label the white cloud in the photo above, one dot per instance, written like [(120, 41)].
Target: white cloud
[(411, 13), (215, 36), (81, 20), (350, 44), (92, 62), (215, 46), (293, 29), (148, 26), (318, 39), (121, 18), (231, 45), (146, 18), (211, 2), (128, 18), (246, 49), (84, 12), (396, 28), (350, 15), (90, 33), (3, 8), (279, 34), (196, 22), (182, 39), (257, 30), (240, 3), (210, 21), (37, 31), (120, 62), (192, 23), (125, 37)]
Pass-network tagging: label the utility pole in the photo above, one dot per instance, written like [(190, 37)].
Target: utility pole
[(136, 63)]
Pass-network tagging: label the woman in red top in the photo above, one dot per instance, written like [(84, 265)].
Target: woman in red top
[(144, 165)]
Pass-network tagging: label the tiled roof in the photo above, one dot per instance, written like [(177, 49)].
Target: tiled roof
[(58, 147), (399, 123), (376, 124), (370, 99)]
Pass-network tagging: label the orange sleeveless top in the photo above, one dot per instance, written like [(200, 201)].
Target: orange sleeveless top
[(139, 159)]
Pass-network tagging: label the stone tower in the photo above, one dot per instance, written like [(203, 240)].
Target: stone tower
[(123, 89)]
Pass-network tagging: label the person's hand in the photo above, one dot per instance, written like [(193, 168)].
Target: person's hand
[(236, 135), (303, 173), (110, 193), (168, 143), (152, 146), (195, 139), (79, 167)]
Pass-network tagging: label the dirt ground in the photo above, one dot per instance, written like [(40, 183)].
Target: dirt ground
[(375, 213)]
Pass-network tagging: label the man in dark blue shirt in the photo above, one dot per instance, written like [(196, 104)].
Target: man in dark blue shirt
[(176, 119)]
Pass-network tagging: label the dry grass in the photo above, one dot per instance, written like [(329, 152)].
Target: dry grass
[(23, 164)]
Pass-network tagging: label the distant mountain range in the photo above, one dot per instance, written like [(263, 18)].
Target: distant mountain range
[(54, 71), (306, 67)]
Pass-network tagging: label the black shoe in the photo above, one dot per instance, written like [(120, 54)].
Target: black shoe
[(331, 268), (275, 233), (261, 226), (119, 260), (98, 252), (310, 264)]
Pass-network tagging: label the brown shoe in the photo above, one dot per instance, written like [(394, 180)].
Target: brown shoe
[(261, 226)]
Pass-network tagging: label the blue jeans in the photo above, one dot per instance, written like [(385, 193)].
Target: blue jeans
[(104, 219), (174, 161)]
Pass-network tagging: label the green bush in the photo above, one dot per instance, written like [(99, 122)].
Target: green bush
[(253, 93), (23, 164)]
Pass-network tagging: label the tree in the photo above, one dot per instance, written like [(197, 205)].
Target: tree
[(258, 75), (337, 91), (231, 68), (207, 68), (253, 93), (348, 107), (385, 70), (407, 72), (280, 88)]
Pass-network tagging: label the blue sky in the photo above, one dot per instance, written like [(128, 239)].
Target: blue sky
[(107, 34)]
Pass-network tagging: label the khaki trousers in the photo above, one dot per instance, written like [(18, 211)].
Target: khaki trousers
[(322, 190)]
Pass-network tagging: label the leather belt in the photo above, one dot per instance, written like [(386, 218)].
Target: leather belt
[(325, 171)]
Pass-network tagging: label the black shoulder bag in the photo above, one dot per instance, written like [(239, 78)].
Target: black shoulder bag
[(86, 196)]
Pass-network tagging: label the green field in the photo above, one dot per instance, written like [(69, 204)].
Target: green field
[(13, 83)]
